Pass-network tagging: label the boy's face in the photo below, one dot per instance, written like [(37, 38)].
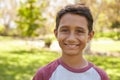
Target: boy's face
[(72, 34)]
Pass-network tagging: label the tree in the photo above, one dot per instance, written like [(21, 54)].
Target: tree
[(30, 18)]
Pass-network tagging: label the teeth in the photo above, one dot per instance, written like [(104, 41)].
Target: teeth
[(71, 46)]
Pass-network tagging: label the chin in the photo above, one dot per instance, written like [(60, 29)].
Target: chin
[(71, 53)]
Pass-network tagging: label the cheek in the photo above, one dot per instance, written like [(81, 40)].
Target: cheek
[(60, 37), (83, 38)]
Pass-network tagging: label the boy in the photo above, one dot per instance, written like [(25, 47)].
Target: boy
[(74, 29)]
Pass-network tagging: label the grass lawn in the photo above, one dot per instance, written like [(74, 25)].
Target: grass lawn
[(19, 62)]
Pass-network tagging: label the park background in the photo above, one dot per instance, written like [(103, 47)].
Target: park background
[(27, 41)]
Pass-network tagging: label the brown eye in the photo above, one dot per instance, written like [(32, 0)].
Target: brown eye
[(79, 31), (64, 30)]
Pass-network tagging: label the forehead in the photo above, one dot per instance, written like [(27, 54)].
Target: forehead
[(73, 20)]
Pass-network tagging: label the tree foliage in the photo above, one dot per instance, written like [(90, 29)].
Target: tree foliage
[(105, 12), (30, 18)]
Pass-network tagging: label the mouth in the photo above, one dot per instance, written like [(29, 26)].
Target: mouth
[(72, 46)]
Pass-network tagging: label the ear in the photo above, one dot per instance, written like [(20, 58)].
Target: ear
[(55, 32), (90, 36)]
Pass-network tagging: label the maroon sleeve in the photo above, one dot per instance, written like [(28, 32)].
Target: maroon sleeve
[(102, 73), (39, 75), (46, 72)]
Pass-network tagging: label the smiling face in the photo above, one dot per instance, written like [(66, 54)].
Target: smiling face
[(72, 34)]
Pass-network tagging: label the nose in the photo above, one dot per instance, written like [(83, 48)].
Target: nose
[(71, 38)]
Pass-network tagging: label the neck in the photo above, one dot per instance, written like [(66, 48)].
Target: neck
[(76, 62)]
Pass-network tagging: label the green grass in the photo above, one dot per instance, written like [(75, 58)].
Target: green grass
[(19, 61), (19, 65)]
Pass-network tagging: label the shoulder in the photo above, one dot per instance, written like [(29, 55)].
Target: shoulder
[(101, 72), (45, 72)]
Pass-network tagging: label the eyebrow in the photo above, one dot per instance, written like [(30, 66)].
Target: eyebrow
[(77, 27), (80, 28)]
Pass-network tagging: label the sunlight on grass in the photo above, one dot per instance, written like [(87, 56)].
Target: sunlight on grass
[(105, 46), (19, 61), (23, 65)]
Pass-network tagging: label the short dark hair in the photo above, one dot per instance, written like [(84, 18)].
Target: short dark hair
[(79, 9)]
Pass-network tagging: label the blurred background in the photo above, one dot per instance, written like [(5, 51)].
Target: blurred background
[(27, 41)]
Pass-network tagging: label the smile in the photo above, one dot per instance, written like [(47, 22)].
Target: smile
[(72, 45)]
